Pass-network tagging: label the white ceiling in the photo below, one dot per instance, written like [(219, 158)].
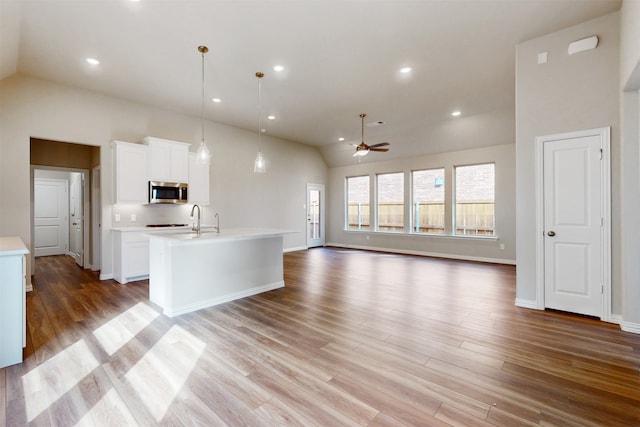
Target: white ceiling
[(341, 59)]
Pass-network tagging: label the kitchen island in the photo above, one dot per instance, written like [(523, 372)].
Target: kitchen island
[(188, 272)]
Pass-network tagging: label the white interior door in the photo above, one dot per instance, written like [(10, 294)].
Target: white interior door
[(76, 214), (51, 227), (573, 225), (315, 215)]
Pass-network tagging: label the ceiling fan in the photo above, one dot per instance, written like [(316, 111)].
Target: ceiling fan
[(363, 149)]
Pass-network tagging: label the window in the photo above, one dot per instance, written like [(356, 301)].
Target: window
[(427, 208), (390, 192), (474, 200), (358, 205)]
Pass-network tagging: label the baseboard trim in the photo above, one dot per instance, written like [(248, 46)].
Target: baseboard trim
[(107, 276), (297, 248), (428, 254), (527, 303), (616, 318), (630, 327)]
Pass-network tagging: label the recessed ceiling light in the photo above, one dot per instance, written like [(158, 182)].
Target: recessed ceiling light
[(271, 117), (341, 139), (217, 100), (405, 70), (93, 61), (456, 113), (278, 67)]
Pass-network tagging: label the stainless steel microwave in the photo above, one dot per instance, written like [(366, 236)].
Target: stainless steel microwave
[(168, 192)]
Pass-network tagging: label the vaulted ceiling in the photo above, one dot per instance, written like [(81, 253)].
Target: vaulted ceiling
[(340, 59)]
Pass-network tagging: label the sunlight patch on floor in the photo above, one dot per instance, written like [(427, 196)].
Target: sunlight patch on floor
[(52, 379), (109, 411), (118, 331), (159, 375)]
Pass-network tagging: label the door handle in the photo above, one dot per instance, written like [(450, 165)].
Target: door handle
[(551, 233)]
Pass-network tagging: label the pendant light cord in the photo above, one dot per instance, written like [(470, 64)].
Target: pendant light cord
[(202, 105), (259, 75)]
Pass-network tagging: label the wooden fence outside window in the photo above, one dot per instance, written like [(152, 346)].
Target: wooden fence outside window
[(471, 218)]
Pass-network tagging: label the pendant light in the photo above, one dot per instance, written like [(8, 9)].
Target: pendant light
[(260, 164), (203, 156)]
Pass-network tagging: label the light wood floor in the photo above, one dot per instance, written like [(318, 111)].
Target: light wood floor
[(355, 338)]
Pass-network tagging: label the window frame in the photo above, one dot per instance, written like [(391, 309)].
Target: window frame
[(449, 203), (376, 202), (412, 224), (370, 227), (454, 201)]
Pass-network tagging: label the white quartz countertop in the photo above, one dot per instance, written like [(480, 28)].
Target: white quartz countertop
[(208, 235), (12, 245)]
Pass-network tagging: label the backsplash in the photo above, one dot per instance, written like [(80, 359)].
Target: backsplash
[(157, 214)]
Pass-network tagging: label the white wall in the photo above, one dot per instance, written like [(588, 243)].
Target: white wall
[(630, 44), (447, 246), (630, 167), (568, 93), (36, 108)]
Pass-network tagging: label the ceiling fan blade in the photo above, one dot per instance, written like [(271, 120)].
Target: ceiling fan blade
[(382, 150), (382, 144)]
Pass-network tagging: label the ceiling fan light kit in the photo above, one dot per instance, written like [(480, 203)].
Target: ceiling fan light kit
[(363, 149)]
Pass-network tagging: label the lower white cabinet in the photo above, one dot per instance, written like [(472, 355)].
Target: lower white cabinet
[(131, 255), (13, 313)]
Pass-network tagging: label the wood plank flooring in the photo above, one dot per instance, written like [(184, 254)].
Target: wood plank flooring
[(354, 339)]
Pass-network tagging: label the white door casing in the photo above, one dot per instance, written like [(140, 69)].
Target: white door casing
[(76, 217), (315, 215), (573, 222), (96, 203), (51, 207)]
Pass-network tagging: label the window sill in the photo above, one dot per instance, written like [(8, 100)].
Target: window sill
[(436, 235)]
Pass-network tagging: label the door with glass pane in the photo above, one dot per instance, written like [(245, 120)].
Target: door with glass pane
[(315, 215)]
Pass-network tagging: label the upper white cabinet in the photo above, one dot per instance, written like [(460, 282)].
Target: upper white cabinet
[(198, 181), (130, 172), (168, 160)]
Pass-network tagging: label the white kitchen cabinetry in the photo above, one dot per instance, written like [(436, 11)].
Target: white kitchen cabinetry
[(131, 256), (13, 313), (198, 181), (130, 172), (168, 160)]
